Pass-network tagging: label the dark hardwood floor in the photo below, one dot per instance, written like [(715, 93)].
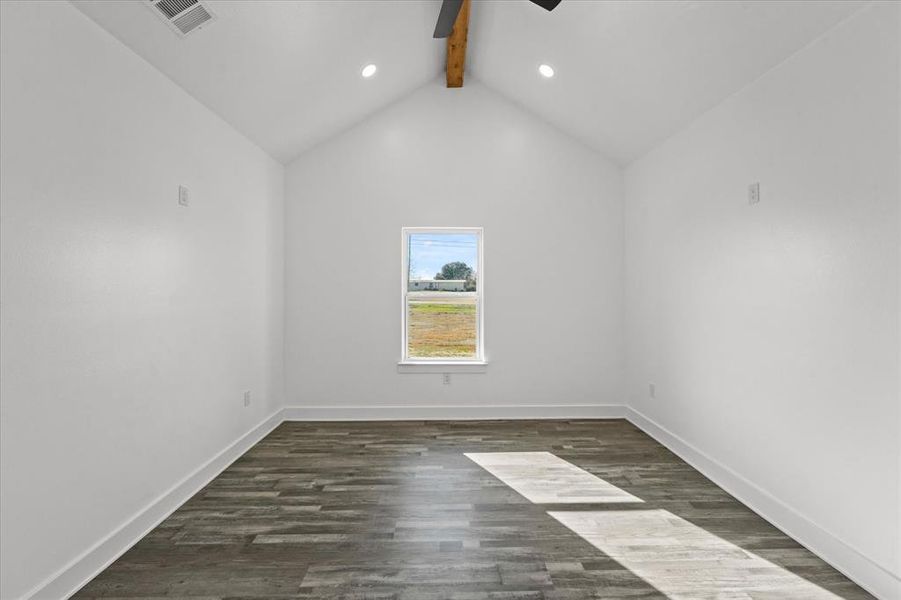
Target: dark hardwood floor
[(397, 510)]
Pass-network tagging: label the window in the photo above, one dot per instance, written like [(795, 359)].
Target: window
[(442, 295)]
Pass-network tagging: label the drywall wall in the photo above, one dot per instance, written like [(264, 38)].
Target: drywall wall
[(552, 217), (771, 330), (130, 325)]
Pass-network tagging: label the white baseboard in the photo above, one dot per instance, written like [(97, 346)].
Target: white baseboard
[(854, 564), (453, 413), (870, 575), (77, 573), (85, 567)]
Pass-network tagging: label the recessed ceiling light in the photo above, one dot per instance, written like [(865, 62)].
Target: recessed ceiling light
[(546, 70), (368, 71)]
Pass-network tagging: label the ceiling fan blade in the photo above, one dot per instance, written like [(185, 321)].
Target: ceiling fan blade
[(447, 17), (547, 4)]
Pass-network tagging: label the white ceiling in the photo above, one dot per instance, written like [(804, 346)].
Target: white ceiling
[(287, 73), (629, 72)]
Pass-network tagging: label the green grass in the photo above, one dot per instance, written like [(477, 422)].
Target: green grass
[(427, 308), (442, 330)]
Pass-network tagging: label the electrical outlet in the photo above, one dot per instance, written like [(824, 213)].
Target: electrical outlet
[(754, 193), (247, 398), (184, 196), (652, 390), (446, 379)]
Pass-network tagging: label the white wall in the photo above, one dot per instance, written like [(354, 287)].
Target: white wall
[(551, 210), (771, 331), (130, 326)]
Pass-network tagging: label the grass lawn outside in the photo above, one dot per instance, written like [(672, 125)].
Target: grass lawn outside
[(442, 329)]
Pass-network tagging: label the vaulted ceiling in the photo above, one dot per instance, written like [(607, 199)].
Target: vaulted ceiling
[(629, 72)]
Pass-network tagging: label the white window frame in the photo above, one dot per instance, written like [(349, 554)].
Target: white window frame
[(479, 295)]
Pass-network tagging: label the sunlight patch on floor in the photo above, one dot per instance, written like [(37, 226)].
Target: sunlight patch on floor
[(684, 561), (546, 479)]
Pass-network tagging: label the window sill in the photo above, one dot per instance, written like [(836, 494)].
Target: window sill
[(435, 366)]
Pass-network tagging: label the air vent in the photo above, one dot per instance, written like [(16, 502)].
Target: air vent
[(191, 19), (170, 8), (182, 16)]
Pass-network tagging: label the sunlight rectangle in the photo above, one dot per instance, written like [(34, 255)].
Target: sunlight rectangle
[(684, 561), (547, 479)]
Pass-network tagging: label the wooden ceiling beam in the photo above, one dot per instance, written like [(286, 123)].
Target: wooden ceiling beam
[(456, 48)]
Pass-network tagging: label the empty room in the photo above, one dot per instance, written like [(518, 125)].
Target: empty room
[(450, 299)]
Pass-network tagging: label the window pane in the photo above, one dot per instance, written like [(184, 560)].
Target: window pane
[(442, 302), (443, 262), (439, 327)]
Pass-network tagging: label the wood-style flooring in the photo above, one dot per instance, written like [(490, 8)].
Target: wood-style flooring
[(459, 510)]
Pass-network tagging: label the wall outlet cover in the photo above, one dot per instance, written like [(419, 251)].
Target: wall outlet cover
[(184, 196), (754, 193)]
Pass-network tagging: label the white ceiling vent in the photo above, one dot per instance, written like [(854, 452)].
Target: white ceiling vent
[(182, 16)]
